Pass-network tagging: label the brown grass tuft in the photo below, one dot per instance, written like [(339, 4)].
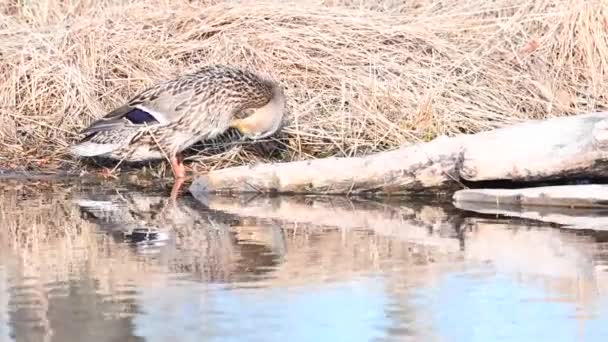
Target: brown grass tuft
[(362, 76)]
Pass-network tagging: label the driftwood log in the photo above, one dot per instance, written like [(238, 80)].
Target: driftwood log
[(556, 148)]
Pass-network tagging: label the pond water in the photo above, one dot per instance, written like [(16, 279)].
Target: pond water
[(85, 262)]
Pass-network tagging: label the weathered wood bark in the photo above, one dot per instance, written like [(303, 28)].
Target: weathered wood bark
[(532, 151), (412, 168)]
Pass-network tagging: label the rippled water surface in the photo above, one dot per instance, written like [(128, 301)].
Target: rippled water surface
[(101, 263)]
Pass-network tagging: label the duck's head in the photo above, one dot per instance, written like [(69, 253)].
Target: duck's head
[(263, 121)]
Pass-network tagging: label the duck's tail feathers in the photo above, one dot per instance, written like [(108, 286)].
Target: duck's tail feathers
[(92, 149)]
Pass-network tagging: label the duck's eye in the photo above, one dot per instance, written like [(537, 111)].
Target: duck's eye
[(248, 112)]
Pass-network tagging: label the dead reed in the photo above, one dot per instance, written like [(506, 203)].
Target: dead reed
[(361, 76)]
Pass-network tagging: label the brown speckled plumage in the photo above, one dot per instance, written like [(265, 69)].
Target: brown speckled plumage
[(170, 116)]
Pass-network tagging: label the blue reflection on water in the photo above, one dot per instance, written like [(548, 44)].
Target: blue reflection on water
[(498, 308), (350, 311), (457, 307)]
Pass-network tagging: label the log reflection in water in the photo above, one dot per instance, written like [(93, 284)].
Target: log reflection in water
[(512, 246)]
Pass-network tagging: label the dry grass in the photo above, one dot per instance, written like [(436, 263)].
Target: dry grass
[(362, 76)]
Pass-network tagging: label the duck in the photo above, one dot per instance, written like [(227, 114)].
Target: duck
[(163, 120)]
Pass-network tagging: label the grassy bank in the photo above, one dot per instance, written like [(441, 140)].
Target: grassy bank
[(362, 76)]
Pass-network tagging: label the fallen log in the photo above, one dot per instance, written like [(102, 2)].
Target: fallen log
[(564, 147)]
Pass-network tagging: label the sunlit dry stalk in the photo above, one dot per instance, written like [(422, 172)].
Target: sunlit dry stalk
[(361, 76)]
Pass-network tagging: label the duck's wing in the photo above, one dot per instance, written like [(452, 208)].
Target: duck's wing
[(158, 105)]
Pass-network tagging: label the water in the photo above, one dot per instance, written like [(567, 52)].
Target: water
[(99, 263)]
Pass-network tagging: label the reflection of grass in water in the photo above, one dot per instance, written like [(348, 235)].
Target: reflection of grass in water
[(47, 232)]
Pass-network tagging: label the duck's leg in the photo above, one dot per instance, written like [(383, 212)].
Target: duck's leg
[(177, 185), (179, 171), (179, 174)]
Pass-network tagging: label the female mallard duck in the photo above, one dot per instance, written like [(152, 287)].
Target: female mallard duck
[(165, 119)]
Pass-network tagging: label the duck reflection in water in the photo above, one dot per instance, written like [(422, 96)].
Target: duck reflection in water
[(183, 228)]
